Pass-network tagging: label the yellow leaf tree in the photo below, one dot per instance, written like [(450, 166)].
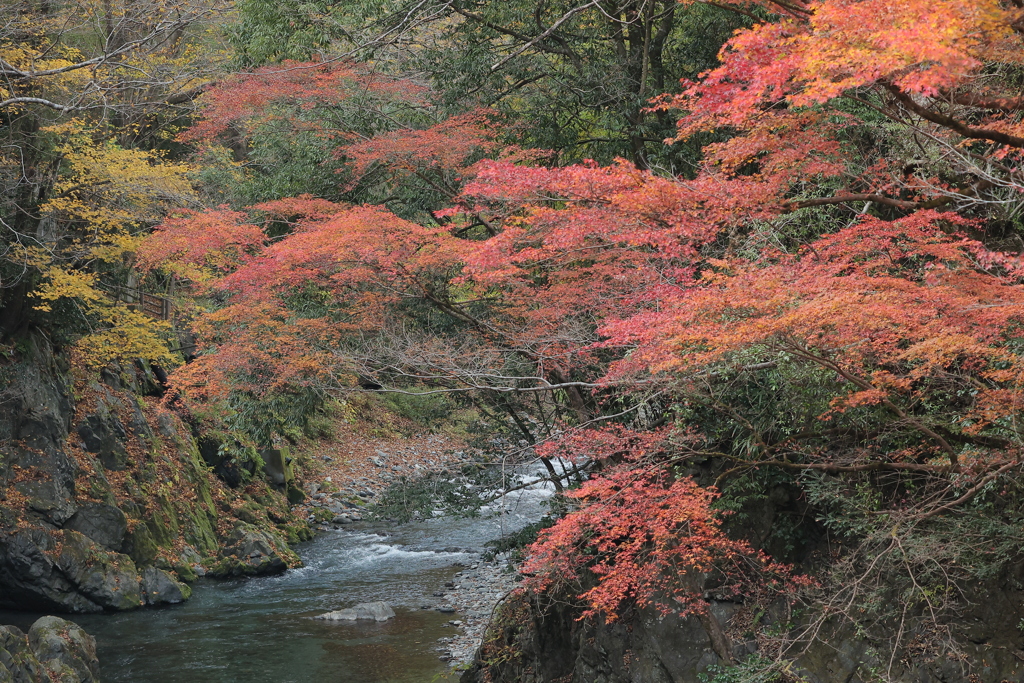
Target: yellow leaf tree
[(90, 93)]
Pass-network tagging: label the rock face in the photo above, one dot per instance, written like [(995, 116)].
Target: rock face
[(55, 650), (105, 436), (530, 643), (105, 501), (64, 571), (101, 522), (537, 648), (364, 611)]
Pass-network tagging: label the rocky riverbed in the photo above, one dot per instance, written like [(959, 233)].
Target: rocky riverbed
[(343, 476), (472, 595), (343, 479)]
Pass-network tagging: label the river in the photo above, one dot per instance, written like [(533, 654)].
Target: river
[(260, 629)]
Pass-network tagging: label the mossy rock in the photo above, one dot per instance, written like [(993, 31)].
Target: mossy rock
[(185, 574), (250, 513), (164, 523), (322, 515), (297, 533), (109, 579), (295, 494), (200, 531), (249, 550), (140, 546)]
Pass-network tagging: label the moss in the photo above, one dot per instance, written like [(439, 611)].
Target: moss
[(163, 523), (250, 512), (185, 574), (140, 546), (322, 515), (295, 494), (224, 567), (200, 530), (296, 533)]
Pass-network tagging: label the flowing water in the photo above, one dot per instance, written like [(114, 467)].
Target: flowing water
[(260, 629)]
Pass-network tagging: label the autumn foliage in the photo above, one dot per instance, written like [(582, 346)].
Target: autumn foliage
[(879, 289), (647, 541)]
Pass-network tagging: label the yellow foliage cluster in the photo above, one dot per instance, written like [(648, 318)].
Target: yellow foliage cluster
[(104, 198), (85, 81), (107, 187), (125, 335)]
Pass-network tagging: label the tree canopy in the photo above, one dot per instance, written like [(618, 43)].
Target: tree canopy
[(688, 252)]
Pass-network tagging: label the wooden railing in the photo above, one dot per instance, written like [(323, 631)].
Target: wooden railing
[(154, 306)]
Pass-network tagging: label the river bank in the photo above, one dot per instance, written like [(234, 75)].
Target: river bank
[(473, 594)]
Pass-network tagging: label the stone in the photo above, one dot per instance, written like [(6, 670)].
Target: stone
[(277, 466), (64, 571), (295, 494), (103, 523), (364, 611), (107, 578), (165, 423), (249, 551), (140, 546), (105, 436), (18, 664), (65, 651), (160, 588)]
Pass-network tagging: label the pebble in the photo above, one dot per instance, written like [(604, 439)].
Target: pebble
[(479, 590)]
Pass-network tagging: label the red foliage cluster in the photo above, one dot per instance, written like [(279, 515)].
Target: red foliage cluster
[(356, 260), (199, 245), (872, 293), (448, 146), (648, 540), (256, 98), (613, 443)]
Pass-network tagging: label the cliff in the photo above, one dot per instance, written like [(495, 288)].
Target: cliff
[(106, 501)]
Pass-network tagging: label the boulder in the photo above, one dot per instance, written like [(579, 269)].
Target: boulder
[(249, 551), (364, 611), (160, 588), (277, 466), (55, 650), (64, 650), (17, 662), (64, 571), (107, 578), (103, 523)]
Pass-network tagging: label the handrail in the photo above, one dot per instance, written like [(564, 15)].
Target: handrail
[(154, 306)]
